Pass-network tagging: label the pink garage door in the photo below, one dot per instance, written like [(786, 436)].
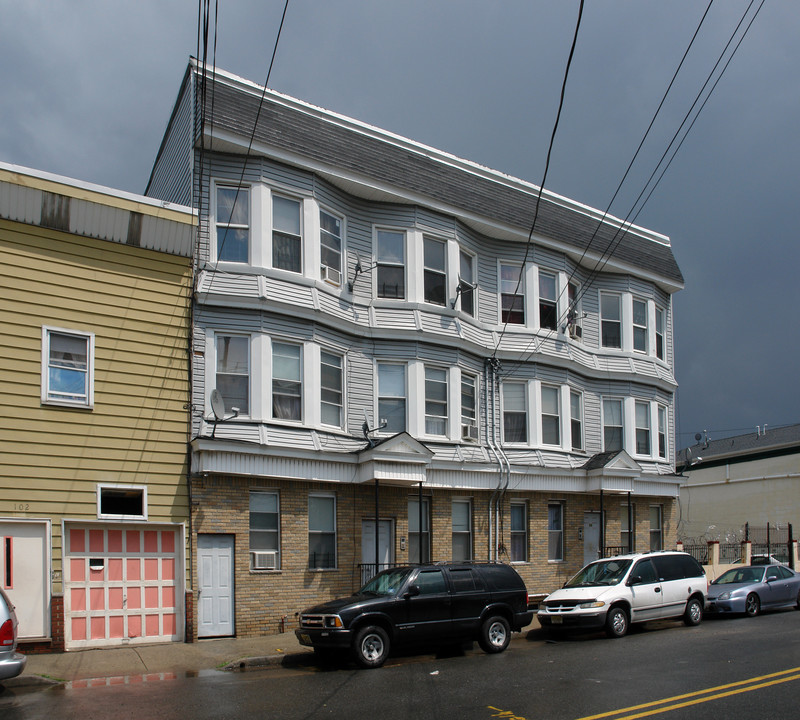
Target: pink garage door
[(122, 585)]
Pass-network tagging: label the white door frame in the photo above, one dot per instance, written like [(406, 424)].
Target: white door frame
[(215, 583)]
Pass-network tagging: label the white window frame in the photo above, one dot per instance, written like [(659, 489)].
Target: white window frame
[(381, 263), (557, 416), (574, 314), (438, 272), (115, 516), (526, 411), (219, 225), (625, 536), (573, 421), (557, 556), (660, 326), (468, 285), (640, 330), (335, 533), (547, 302), (641, 415), (328, 272), (605, 424), (277, 550), (323, 402), (517, 292), (378, 395), (300, 237), (517, 533), (659, 529), (423, 536), (469, 418), (432, 417), (89, 339), (461, 533), (611, 321), (301, 381), (243, 412), (662, 449)]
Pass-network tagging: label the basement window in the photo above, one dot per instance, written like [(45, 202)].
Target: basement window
[(122, 502)]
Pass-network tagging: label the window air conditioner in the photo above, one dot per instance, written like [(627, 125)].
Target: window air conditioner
[(575, 332), (331, 275), (264, 559), (469, 431)]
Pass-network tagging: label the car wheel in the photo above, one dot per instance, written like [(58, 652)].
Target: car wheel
[(495, 634), (693, 613), (797, 604), (617, 622), (371, 647), (752, 605)]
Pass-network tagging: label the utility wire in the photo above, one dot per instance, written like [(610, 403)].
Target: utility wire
[(529, 244)]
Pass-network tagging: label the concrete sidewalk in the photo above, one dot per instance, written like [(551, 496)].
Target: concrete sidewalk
[(170, 660), (161, 660)]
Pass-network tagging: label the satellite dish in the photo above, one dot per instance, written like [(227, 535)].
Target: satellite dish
[(217, 404)]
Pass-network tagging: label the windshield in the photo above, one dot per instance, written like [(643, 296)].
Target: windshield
[(386, 582), (740, 575), (602, 572)]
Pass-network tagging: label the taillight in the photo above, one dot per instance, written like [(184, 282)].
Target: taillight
[(7, 634)]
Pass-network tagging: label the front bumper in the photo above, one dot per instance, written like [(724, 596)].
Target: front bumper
[(324, 637), (720, 607), (572, 619)]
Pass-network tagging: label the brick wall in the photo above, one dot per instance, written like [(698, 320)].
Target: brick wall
[(266, 601)]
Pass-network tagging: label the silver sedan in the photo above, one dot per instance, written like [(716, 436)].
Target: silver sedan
[(749, 590)]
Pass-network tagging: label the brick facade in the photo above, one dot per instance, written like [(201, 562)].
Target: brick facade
[(266, 601)]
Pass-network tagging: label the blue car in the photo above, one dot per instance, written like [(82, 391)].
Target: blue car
[(748, 590)]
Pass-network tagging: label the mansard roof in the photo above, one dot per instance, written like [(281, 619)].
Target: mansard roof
[(373, 163)]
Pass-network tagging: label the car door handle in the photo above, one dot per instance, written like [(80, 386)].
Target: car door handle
[(658, 589)]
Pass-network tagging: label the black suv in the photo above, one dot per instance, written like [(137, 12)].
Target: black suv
[(429, 604)]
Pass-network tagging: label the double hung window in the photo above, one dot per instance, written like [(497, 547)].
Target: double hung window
[(264, 529), (391, 267), (419, 533), (435, 277), (469, 420), (462, 530), (321, 532), (67, 367), (642, 410), (519, 532), (655, 528), (611, 320), (612, 424), (287, 242), (660, 333), (640, 330), (512, 295), (662, 432), (331, 387), (330, 247), (233, 371), (548, 301), (392, 396), (627, 520), (287, 400), (515, 413), (551, 416), (576, 420), (233, 224), (574, 313), (555, 531), (466, 273), (435, 401)]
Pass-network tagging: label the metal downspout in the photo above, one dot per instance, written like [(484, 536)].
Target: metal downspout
[(490, 422), (505, 470)]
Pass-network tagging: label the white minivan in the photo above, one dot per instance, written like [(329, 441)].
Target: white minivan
[(614, 592)]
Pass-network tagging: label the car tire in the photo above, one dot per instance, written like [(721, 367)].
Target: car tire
[(617, 622), (495, 634), (371, 646), (752, 605), (693, 613), (797, 604)]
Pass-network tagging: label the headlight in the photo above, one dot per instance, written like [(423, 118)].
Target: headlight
[(591, 604), (333, 621), (724, 596)]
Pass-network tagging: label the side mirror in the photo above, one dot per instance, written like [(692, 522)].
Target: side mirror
[(413, 591), (634, 580)]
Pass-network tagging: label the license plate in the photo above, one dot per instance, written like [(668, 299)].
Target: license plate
[(556, 620)]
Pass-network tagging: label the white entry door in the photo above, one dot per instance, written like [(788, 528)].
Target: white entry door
[(215, 580), (591, 537), (25, 574), (385, 554)]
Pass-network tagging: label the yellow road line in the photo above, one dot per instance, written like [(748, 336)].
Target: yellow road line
[(673, 704)]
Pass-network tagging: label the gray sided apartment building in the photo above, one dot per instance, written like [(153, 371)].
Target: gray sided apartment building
[(387, 371)]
